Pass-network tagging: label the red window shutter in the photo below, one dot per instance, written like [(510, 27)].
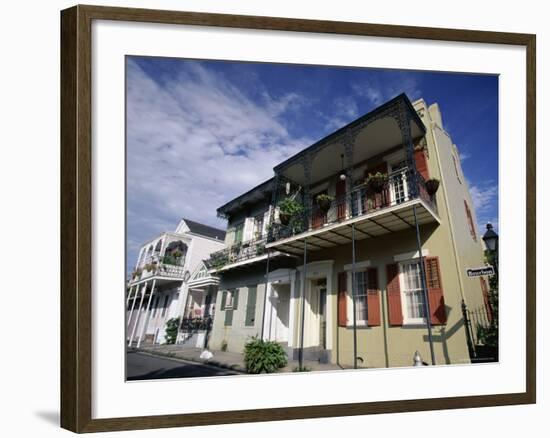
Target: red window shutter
[(435, 291), (373, 297), (485, 291), (393, 290), (421, 163), (342, 302)]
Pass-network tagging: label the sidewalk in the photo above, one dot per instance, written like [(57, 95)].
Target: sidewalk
[(225, 359)]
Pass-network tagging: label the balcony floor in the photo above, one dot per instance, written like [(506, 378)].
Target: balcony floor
[(387, 220)]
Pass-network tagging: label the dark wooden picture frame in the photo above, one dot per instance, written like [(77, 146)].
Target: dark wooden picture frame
[(76, 218)]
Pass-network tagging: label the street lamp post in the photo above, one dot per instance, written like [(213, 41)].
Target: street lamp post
[(491, 242)]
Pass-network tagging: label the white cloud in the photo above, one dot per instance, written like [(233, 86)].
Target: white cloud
[(464, 156), (377, 91), (194, 143), (485, 199), (342, 111)]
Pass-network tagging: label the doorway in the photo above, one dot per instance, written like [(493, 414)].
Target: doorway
[(280, 308)]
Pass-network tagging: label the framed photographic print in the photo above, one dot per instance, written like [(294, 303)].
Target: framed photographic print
[(268, 218)]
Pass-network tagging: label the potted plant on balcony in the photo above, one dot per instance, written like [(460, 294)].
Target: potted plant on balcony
[(288, 208), (432, 185), (260, 249), (377, 182), (323, 202)]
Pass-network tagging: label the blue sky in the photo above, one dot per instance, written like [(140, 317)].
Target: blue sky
[(202, 132)]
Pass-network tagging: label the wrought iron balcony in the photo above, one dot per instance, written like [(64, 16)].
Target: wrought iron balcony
[(236, 253), (403, 186), (193, 325), (161, 266)]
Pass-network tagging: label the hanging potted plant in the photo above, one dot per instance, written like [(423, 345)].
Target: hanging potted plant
[(288, 208), (324, 201), (377, 182), (432, 185)]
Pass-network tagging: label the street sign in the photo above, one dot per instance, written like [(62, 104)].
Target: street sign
[(478, 272)]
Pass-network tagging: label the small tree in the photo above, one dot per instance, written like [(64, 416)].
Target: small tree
[(489, 335), (171, 331)]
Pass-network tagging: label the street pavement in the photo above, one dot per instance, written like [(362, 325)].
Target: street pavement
[(140, 366)]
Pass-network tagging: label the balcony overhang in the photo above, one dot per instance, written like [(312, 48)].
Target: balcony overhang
[(202, 284), (158, 278), (243, 264), (378, 223), (374, 134)]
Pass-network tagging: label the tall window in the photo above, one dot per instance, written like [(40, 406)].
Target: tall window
[(258, 226), (398, 184), (414, 305), (455, 162), (470, 221), (165, 306), (228, 299), (155, 307), (361, 311), (239, 233)]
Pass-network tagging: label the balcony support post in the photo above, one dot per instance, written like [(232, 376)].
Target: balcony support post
[(274, 201), (266, 296), (306, 163), (353, 296), (146, 317), (136, 291), (349, 140), (404, 122), (143, 289), (424, 287), (129, 295), (303, 309)]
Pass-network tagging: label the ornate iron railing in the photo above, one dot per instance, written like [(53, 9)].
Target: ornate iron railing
[(236, 253), (193, 325), (164, 266), (402, 186)]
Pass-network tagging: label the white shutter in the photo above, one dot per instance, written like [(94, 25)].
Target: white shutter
[(248, 229)]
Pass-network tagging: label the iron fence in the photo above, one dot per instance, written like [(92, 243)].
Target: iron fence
[(193, 325)]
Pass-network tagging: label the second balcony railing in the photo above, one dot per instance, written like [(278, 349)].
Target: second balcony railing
[(237, 253)]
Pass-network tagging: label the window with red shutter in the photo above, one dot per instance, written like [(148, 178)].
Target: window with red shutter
[(393, 292), (373, 297), (342, 301), (421, 163), (361, 293), (435, 291)]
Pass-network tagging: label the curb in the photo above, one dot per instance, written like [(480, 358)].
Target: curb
[(215, 363)]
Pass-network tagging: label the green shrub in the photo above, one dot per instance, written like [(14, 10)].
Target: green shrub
[(291, 207), (324, 198), (263, 356), (224, 345), (172, 330)]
